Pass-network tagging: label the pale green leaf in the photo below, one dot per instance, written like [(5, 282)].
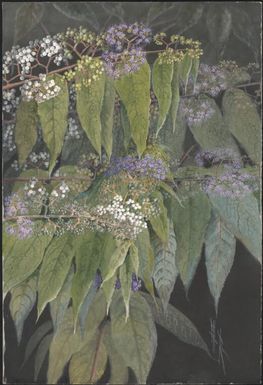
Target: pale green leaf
[(96, 313), (146, 258), (194, 70), (108, 289), (162, 75), (23, 298), (41, 354), (159, 222), (220, 247), (243, 121), (89, 105), (184, 68), (165, 270), (125, 126), (54, 269), (106, 115), (134, 92), (134, 339), (125, 276), (25, 130), (190, 224), (116, 259), (53, 118), (175, 95), (241, 215)]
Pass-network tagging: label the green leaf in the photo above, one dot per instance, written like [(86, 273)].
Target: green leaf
[(190, 224), (134, 92), (85, 307), (28, 16), (184, 68), (63, 345), (125, 275), (134, 339), (211, 133), (89, 106), (22, 257), (134, 258), (88, 253), (175, 95), (125, 126), (23, 298), (88, 365), (109, 247), (54, 269), (96, 313), (176, 323), (41, 354), (162, 75), (146, 258), (106, 115), (241, 215), (243, 121), (220, 247), (108, 289), (165, 270), (25, 130), (194, 70), (59, 305), (53, 118), (160, 222), (116, 259), (35, 339)]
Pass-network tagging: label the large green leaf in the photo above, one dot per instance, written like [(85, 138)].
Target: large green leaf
[(23, 298), (162, 75), (88, 252), (146, 257), (211, 132), (190, 224), (53, 118), (106, 115), (176, 323), (26, 130), (125, 275), (241, 215), (220, 247), (54, 269), (165, 270), (134, 339), (88, 365), (41, 354), (22, 257), (125, 126), (89, 105), (194, 70), (184, 68), (96, 313), (159, 222), (243, 121), (116, 259), (175, 95), (134, 92)]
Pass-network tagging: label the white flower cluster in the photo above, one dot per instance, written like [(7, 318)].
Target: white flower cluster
[(62, 191), (41, 90), (15, 165), (32, 189), (10, 101), (73, 129), (8, 137), (50, 47), (42, 157), (25, 57)]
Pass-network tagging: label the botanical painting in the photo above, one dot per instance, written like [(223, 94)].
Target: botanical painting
[(131, 192)]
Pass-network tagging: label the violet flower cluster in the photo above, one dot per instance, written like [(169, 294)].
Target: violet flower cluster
[(136, 283), (211, 80), (147, 166), (124, 52), (196, 111)]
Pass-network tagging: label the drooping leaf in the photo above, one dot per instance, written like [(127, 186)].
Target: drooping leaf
[(194, 70), (211, 132), (88, 365), (59, 305), (41, 354), (134, 339), (125, 275), (241, 216), (220, 247), (243, 121), (184, 68), (63, 345), (134, 258), (134, 92), (146, 257), (53, 118), (23, 298), (96, 313), (36, 337), (159, 222), (106, 115), (165, 270), (22, 258), (190, 224), (162, 75), (88, 252), (28, 16), (25, 130), (54, 269), (125, 126), (108, 289), (116, 259), (175, 95), (176, 323), (89, 105)]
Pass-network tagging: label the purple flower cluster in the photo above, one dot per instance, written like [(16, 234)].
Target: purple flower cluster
[(195, 111), (148, 166), (22, 229), (226, 156), (230, 184), (13, 205), (211, 79), (135, 283), (124, 53)]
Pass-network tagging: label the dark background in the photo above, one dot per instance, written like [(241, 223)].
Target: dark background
[(230, 31)]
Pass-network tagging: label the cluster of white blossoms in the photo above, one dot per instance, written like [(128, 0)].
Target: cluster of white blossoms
[(25, 57), (41, 90), (50, 47), (61, 191), (10, 101), (32, 188), (8, 137), (73, 129), (39, 159)]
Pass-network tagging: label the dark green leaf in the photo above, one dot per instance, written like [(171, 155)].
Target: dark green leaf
[(146, 257), (175, 95), (106, 115), (41, 354), (159, 222), (184, 69), (125, 126)]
